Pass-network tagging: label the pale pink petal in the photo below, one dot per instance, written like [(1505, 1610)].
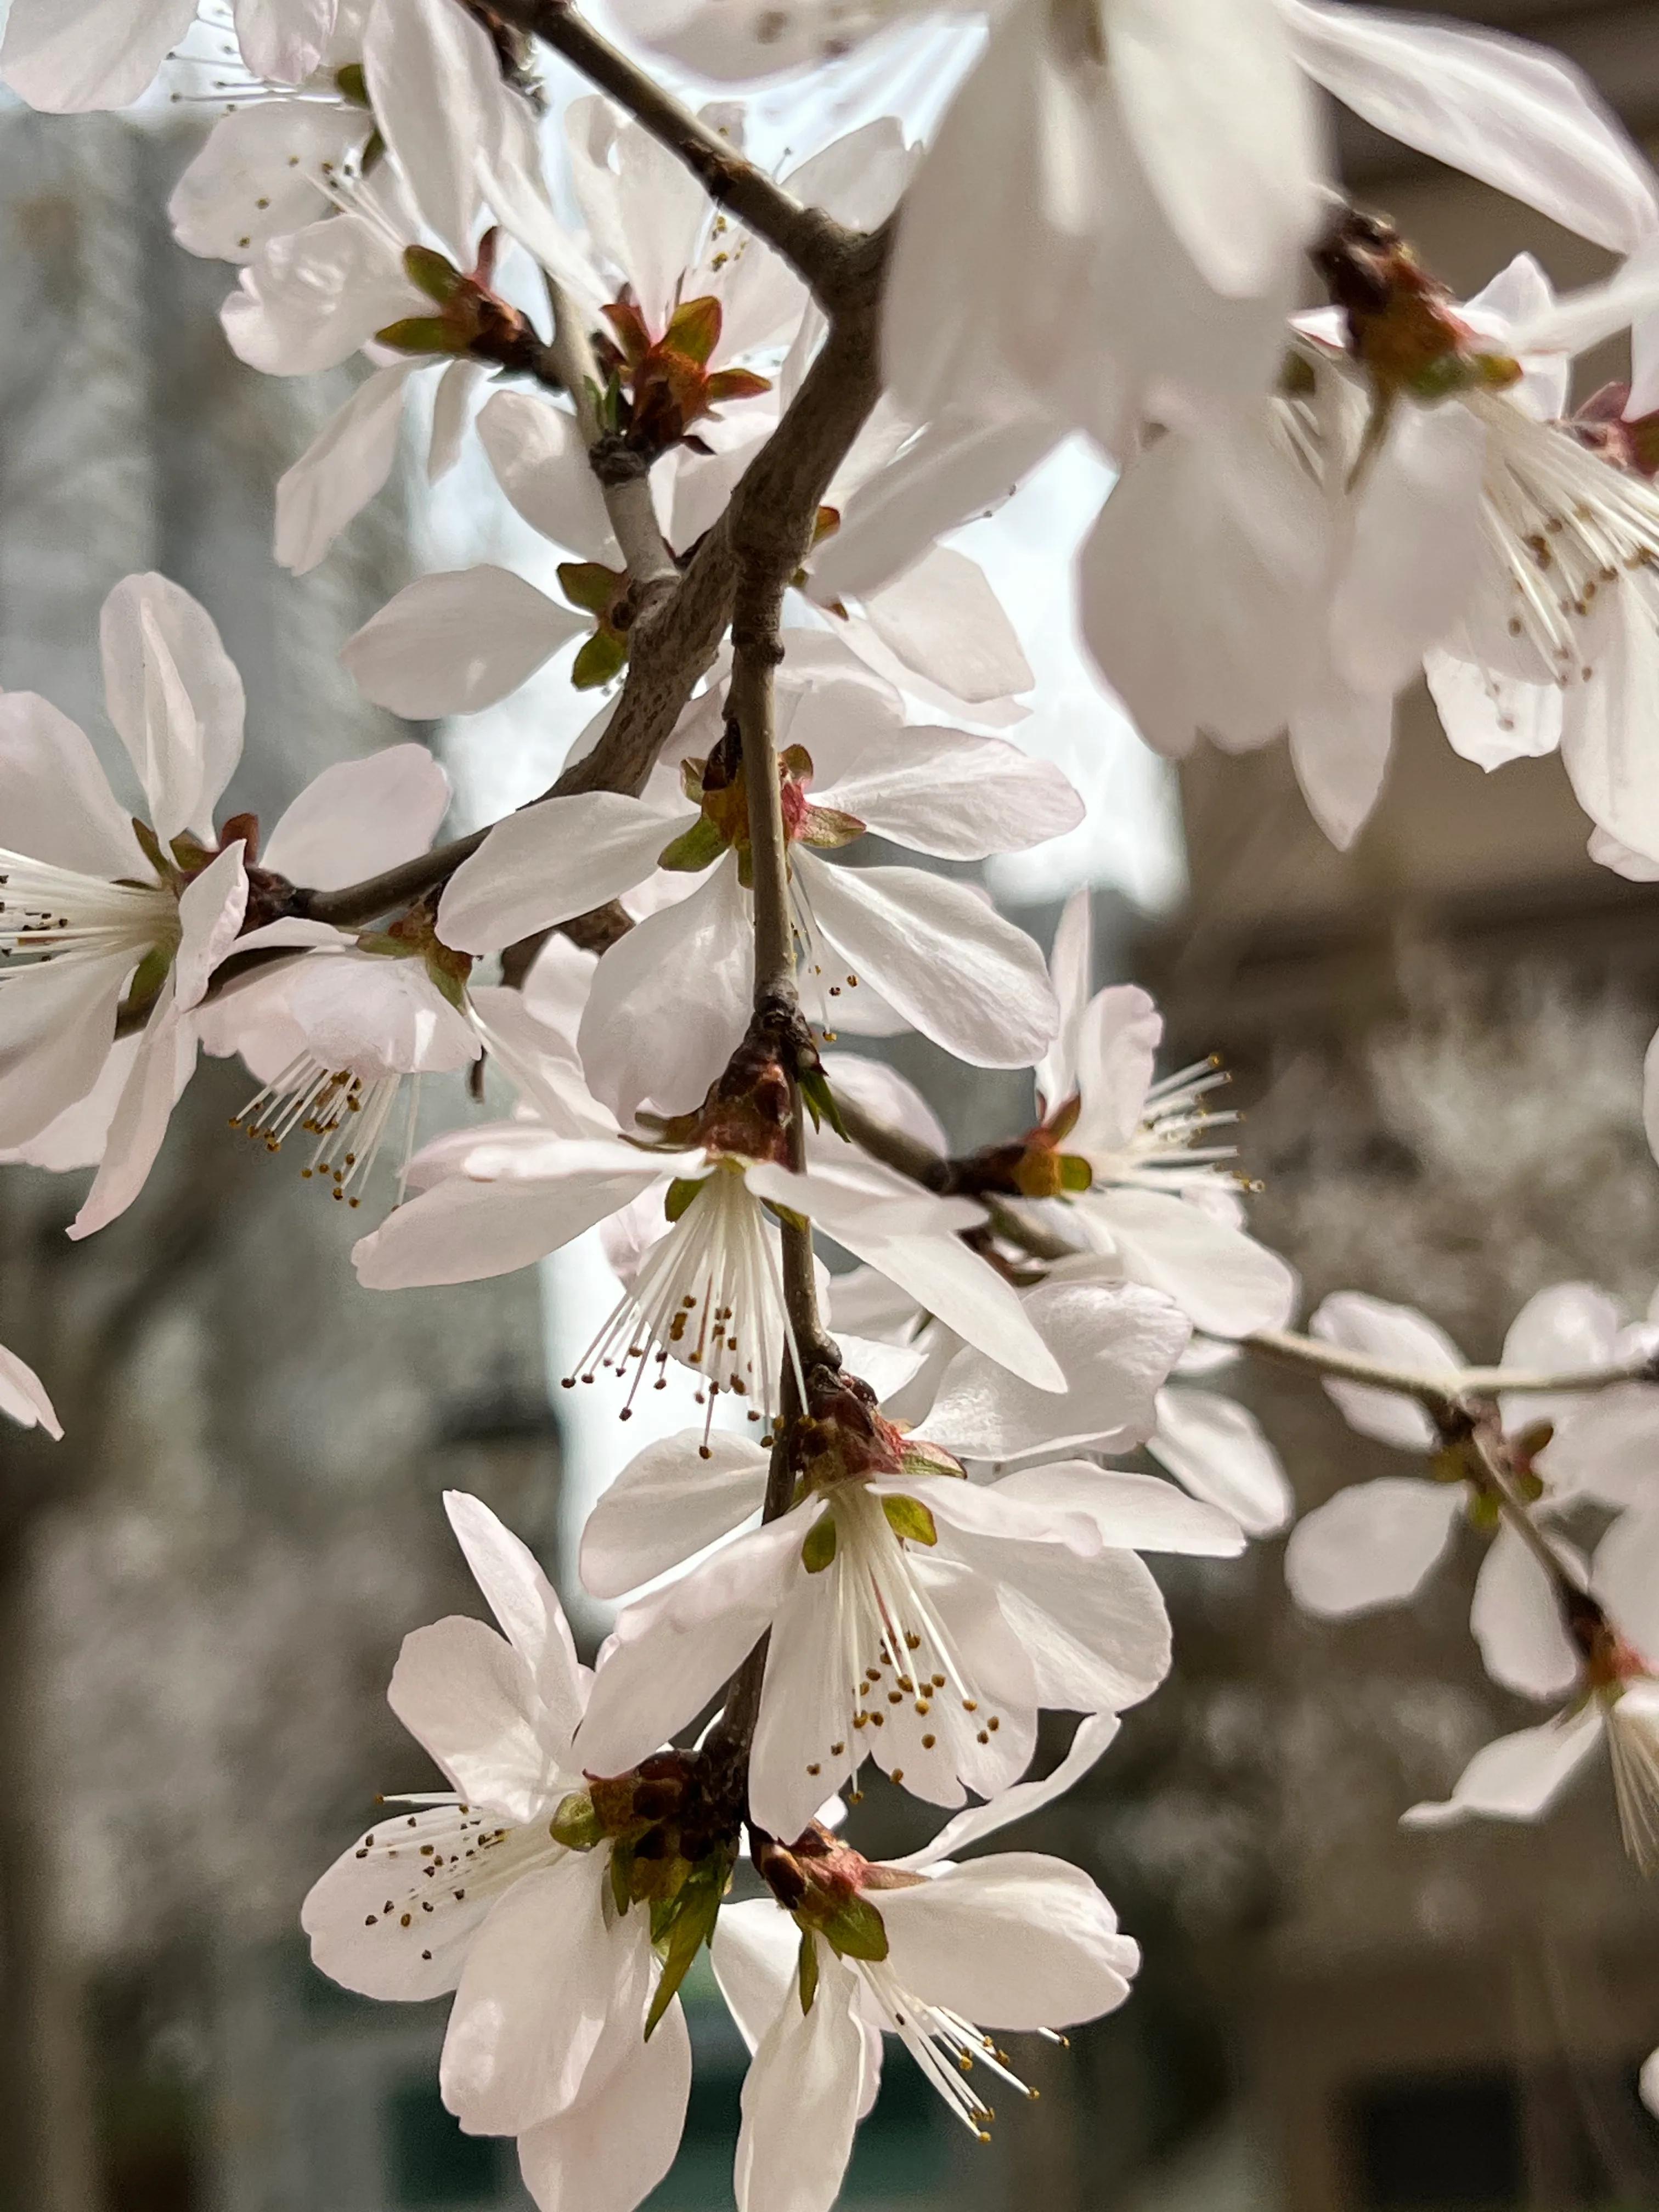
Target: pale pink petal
[(541, 464), (59, 806), (470, 1700), (67, 56), (283, 39), (1488, 718), (618, 2141), (526, 1604), (434, 83), (175, 698), (462, 1232), (942, 619), (22, 1395), (1400, 1337), (1517, 1621), (1374, 1544), (964, 798), (1216, 1448), (1516, 1777), (1339, 749), (1094, 1736), (354, 1913), (1131, 1513), (259, 176), (341, 470)]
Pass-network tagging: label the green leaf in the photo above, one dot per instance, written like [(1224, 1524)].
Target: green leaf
[(855, 1930), (431, 273), (681, 1191), (604, 656), (820, 1101), (693, 849), (827, 828), (622, 1876), (823, 1541), (590, 585), (421, 334), (806, 1970), (696, 1912), (909, 1517), (693, 329)]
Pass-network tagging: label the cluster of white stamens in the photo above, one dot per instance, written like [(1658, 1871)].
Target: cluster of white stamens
[(1163, 1153), (946, 2047), (347, 1114), (49, 913), (1633, 1725), (894, 1652), (1566, 524), (447, 1856), (710, 1294)]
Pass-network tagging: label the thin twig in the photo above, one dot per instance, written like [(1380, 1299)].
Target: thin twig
[(1439, 1393), (815, 245), (1489, 1450)]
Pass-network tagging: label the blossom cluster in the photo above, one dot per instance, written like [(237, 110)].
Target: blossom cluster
[(903, 1529)]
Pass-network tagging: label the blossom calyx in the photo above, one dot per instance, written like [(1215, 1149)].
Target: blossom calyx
[(716, 787), (1401, 321), (660, 387), (470, 319), (823, 1882), (414, 936)]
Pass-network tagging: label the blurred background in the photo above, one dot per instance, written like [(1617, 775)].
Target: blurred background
[(1438, 1040)]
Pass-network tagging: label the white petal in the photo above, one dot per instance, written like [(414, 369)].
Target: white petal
[(452, 412), (1224, 1281), (357, 1942), (1095, 1733), (541, 464), (804, 1712), (526, 1604), (1015, 1941), (56, 1025), (22, 1395), (543, 864), (539, 1984), (1614, 777), (687, 974), (1114, 1342), (1518, 1776), (1131, 1512), (1567, 1325), (1492, 719), (887, 1097), (964, 798), (313, 296), (667, 1503), (1626, 1577), (1517, 1621), (468, 1697), (247, 186), (435, 86), (453, 644), (175, 698), (1402, 1339), (800, 2100), (343, 469), (618, 2141), (283, 39), (674, 1651), (942, 619), (1094, 1631), (943, 957), (1605, 1448), (755, 1951), (1216, 1448), (59, 806), (1118, 1033), (1512, 114), (1339, 749), (463, 1231), (67, 56), (1374, 1544), (359, 818)]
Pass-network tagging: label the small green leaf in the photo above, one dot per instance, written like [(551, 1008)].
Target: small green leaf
[(352, 83), (1075, 1173), (693, 329), (590, 585), (820, 1101), (909, 1517), (828, 827), (150, 845), (855, 1930), (681, 1192), (622, 1876), (823, 1541), (431, 273), (604, 656), (695, 1916), (421, 334), (693, 849), (806, 1970)]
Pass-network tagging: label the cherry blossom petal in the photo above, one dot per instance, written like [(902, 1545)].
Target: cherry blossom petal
[(1095, 1735), (359, 818), (667, 1503), (1131, 1513), (879, 1090), (540, 462), (804, 1712), (1513, 114), (1606, 1447), (341, 470), (688, 974), (942, 618), (526, 1604), (1114, 1343), (23, 1397), (1401, 1338), (1015, 1941), (620, 2136), (1488, 718), (1517, 1621), (940, 955), (455, 643), (259, 176), (65, 56), (1339, 749), (1118, 1033), (175, 699), (801, 2098), (1216, 1449), (1566, 1327), (754, 1952), (354, 1940), (963, 798), (1374, 1544), (1612, 773), (1516, 1777), (1627, 1576), (470, 1699), (312, 297), (283, 39), (59, 806), (1071, 967), (1226, 1283), (462, 1232), (1093, 1630), (674, 1651), (543, 864), (434, 84), (539, 1983), (56, 1025)]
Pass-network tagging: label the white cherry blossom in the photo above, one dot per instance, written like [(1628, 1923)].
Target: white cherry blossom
[(471, 1893), (24, 1396)]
